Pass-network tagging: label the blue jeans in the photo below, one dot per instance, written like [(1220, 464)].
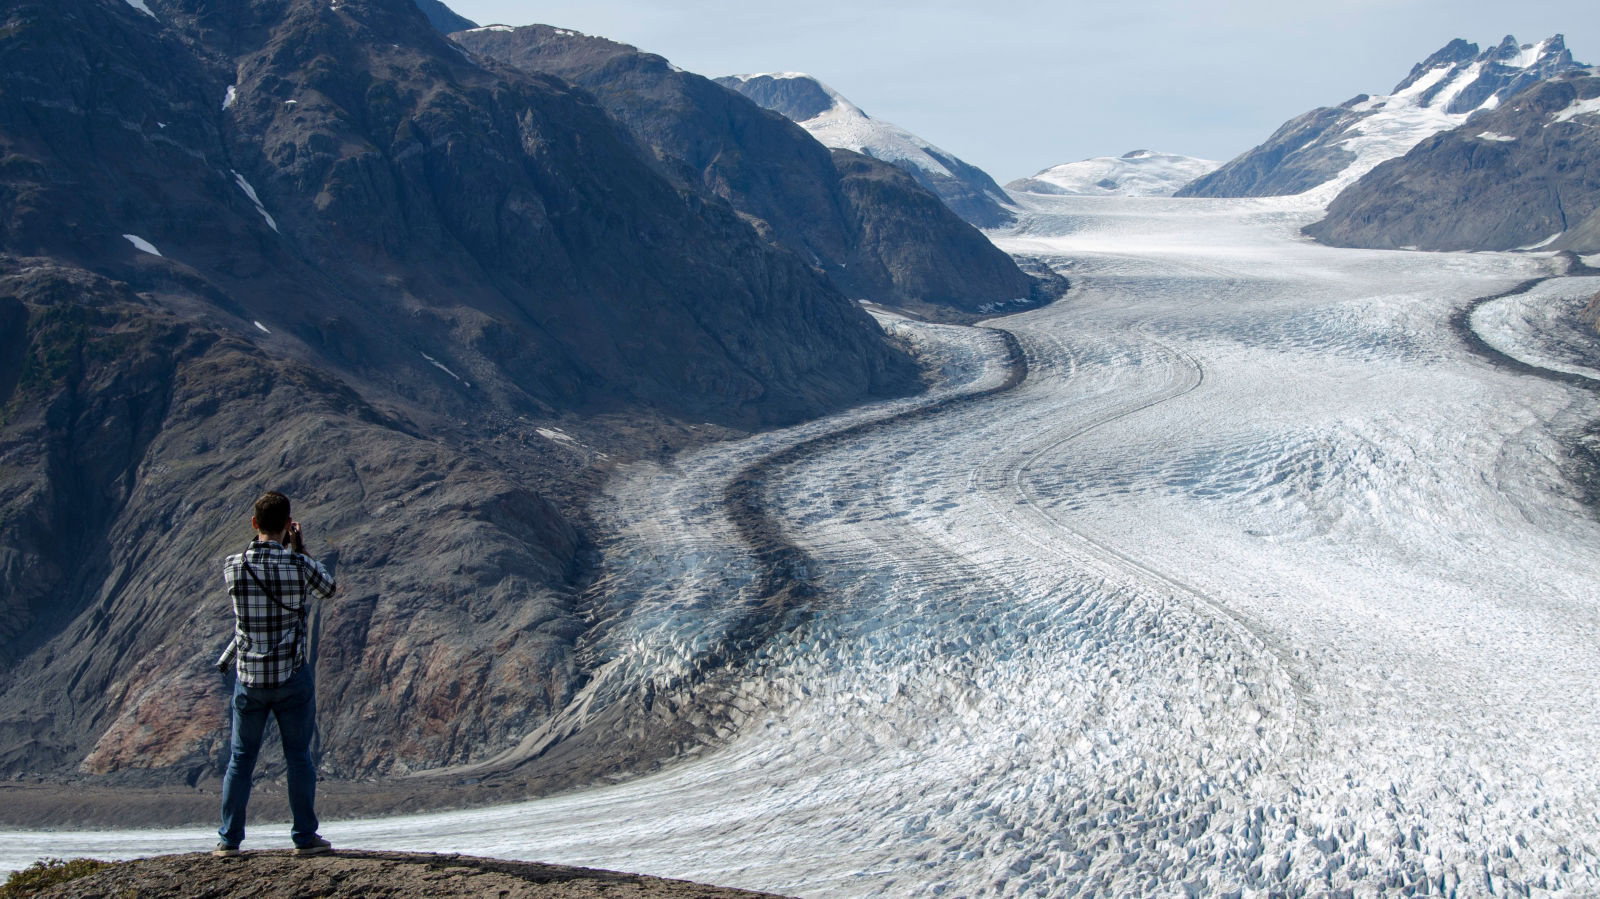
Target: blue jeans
[(294, 704)]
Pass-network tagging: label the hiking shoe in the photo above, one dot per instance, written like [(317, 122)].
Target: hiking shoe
[(317, 846), (225, 850)]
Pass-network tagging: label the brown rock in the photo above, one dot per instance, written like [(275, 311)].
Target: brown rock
[(268, 875)]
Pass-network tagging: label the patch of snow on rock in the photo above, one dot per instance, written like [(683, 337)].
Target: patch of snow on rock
[(142, 245), (140, 6), (1543, 243), (251, 193), (1501, 138), (1590, 106), (262, 327), (441, 366), (230, 97)]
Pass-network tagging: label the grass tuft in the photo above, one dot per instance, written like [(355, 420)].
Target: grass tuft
[(47, 873)]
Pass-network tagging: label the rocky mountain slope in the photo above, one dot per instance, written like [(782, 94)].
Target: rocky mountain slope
[(287, 244), (1331, 147), (893, 243), (444, 19), (1141, 173), (837, 122), (1524, 174)]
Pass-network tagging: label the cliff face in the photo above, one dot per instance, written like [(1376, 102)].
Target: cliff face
[(285, 244), (887, 244), (1521, 175)]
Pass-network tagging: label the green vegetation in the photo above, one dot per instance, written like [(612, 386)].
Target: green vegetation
[(59, 333), (47, 873)]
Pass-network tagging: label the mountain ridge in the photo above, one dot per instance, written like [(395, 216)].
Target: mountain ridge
[(887, 244), (835, 121), (1329, 148), (1520, 176)]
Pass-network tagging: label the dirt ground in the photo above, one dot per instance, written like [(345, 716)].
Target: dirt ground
[(280, 875)]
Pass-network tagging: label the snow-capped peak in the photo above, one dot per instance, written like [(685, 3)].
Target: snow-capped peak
[(837, 122), (1438, 95), (1141, 173), (1527, 55)]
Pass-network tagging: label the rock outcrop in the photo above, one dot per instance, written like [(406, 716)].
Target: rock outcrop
[(1522, 175), (287, 244), (781, 179)]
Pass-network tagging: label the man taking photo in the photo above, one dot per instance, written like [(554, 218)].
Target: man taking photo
[(271, 584)]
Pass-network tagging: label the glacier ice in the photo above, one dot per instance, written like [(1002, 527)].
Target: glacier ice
[(1261, 581)]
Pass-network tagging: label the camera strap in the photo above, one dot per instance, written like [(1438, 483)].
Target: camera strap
[(301, 612)]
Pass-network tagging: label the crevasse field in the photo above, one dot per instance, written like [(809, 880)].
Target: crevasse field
[(1260, 582)]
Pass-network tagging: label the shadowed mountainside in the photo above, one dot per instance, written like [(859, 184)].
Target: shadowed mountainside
[(286, 244), (867, 224)]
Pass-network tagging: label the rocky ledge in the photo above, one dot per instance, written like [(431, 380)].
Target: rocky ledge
[(280, 874)]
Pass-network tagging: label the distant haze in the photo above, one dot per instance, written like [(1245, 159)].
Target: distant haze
[(1016, 87)]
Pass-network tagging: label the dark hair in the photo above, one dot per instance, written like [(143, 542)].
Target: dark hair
[(272, 512)]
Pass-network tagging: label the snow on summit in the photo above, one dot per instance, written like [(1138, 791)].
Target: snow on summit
[(1141, 173), (843, 124), (1320, 153), (836, 122), (1440, 94)]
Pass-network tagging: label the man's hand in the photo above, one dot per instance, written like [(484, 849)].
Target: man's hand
[(296, 542)]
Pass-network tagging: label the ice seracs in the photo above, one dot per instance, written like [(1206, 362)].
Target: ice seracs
[(1260, 583)]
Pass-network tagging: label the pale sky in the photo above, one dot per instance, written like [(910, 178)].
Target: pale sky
[(1015, 86)]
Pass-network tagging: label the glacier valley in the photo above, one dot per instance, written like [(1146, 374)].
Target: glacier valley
[(1260, 580)]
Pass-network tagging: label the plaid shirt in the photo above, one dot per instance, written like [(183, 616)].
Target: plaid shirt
[(269, 641)]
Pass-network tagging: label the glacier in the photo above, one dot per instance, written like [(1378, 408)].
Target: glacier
[(1261, 580)]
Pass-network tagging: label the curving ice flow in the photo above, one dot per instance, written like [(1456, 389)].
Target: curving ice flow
[(1260, 581)]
